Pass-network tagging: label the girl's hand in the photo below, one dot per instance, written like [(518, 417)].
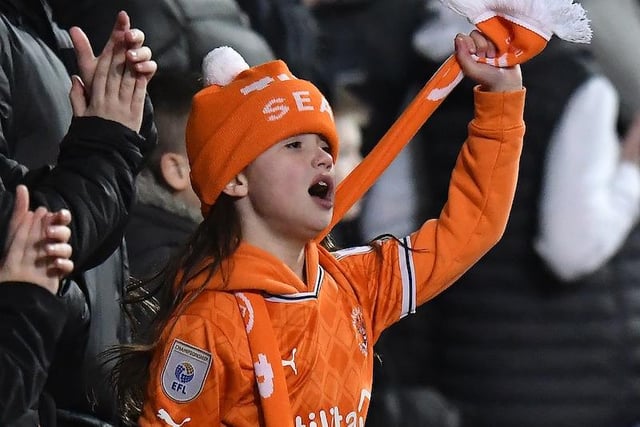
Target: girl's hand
[(491, 78)]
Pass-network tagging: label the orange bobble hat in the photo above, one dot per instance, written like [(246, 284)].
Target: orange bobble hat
[(242, 112)]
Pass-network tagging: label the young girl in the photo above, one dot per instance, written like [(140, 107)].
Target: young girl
[(262, 325)]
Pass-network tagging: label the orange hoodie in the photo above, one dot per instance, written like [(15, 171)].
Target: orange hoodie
[(265, 332)]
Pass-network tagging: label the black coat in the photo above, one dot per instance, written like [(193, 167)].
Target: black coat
[(153, 235), (30, 325), (94, 178)]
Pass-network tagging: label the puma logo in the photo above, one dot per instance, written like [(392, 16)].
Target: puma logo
[(291, 362), (164, 416)]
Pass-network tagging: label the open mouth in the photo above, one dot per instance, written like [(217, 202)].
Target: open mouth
[(319, 189)]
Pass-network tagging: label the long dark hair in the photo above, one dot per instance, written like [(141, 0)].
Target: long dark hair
[(152, 303)]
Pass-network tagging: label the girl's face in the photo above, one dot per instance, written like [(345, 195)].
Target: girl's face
[(291, 187)]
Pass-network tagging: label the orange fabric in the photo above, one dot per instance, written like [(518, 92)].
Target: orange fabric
[(263, 346), (515, 43), (325, 327), (358, 182), (229, 126)]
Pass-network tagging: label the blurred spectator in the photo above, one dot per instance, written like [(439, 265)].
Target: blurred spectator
[(179, 32), (34, 93), (291, 31), (167, 210), (616, 31), (542, 330), (182, 32), (365, 46)]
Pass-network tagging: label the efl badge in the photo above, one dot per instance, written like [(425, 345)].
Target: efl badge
[(185, 371), (357, 319)]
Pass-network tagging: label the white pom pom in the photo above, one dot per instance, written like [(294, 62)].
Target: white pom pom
[(222, 65)]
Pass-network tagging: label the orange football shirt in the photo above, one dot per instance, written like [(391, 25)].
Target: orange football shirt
[(203, 373)]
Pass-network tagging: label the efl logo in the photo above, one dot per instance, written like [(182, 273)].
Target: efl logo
[(185, 371)]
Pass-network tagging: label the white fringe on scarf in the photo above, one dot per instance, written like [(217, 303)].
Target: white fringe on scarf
[(564, 18)]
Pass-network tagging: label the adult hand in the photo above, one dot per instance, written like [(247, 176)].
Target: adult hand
[(117, 91), (138, 56), (37, 249), (113, 85)]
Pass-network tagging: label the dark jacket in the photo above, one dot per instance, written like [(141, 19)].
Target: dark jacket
[(35, 61), (291, 30), (94, 177), (153, 235), (33, 82), (30, 325)]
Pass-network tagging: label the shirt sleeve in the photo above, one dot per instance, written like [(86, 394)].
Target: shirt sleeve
[(590, 199), (412, 270)]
